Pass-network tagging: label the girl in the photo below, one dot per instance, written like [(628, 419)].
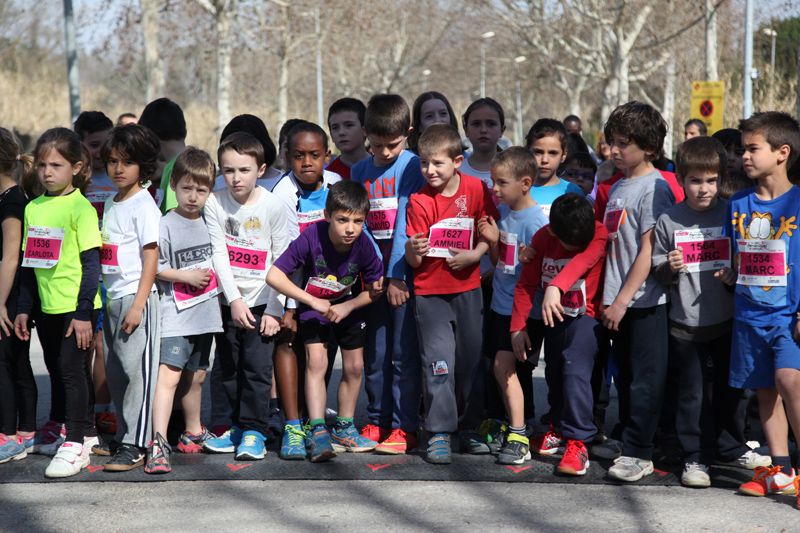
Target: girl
[(429, 108), (484, 124), (17, 385), (61, 243)]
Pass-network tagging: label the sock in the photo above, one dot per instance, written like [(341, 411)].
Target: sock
[(342, 421), (274, 403), (519, 431), (295, 422), (784, 462), (314, 422)]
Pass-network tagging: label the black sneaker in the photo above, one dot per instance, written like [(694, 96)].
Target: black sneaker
[(105, 449), (127, 457), (515, 451)]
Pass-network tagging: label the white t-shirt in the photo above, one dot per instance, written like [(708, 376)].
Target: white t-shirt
[(128, 226), (484, 175), (267, 180)]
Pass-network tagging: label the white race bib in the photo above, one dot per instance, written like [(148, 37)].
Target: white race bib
[(574, 300), (248, 257), (762, 262), (42, 247), (450, 233), (703, 249)]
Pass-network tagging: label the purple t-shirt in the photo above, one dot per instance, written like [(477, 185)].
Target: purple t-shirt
[(327, 273)]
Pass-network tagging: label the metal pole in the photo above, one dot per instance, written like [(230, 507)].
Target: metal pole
[(320, 112), (747, 104), (483, 69), (774, 35), (72, 63)]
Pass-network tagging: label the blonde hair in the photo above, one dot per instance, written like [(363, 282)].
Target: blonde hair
[(17, 164)]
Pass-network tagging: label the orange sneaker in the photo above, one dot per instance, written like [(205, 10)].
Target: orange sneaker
[(769, 480), (397, 443), (373, 432)]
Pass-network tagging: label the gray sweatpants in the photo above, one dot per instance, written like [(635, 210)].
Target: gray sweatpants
[(132, 368), (449, 329)]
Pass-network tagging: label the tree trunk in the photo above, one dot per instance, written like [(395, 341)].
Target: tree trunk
[(668, 109), (225, 12), (153, 64), (712, 73), (283, 69)]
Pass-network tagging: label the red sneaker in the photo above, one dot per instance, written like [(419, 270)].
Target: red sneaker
[(576, 459), (769, 480), (373, 432), (548, 444), (106, 423), (397, 443)]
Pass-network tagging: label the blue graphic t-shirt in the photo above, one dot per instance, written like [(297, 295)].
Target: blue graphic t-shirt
[(546, 195)]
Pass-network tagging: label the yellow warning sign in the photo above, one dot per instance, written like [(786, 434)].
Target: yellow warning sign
[(708, 103)]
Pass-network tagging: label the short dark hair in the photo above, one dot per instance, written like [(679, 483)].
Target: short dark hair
[(165, 118), (89, 122), (576, 144), (348, 104), (778, 129), (571, 118), (484, 102), (701, 154), (242, 143), (387, 115), (124, 116), (137, 143), (440, 139), (583, 159), (306, 127), (639, 122), (572, 220), (517, 160), (701, 126), (287, 126), (254, 126), (731, 138), (546, 127), (348, 196), (195, 164)]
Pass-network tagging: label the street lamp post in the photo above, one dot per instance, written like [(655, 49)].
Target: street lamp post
[(484, 40), (769, 32), (518, 133), (747, 104)]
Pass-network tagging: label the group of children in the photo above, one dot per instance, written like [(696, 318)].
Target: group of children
[(438, 273)]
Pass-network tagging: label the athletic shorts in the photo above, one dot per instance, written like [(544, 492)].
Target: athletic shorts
[(758, 351), (499, 336), (188, 353), (349, 336)]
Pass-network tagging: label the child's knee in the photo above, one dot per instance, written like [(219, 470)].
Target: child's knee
[(504, 365)]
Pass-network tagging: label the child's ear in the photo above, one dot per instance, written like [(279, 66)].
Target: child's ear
[(527, 183), (409, 131), (77, 167), (784, 151), (326, 215), (457, 160), (262, 169)]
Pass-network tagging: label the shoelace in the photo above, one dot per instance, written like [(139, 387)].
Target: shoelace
[(574, 447), (796, 483), (296, 435), (761, 473)]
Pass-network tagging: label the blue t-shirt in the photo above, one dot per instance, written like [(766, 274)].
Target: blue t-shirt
[(520, 226), (545, 195), (312, 200), (314, 254), (753, 218)]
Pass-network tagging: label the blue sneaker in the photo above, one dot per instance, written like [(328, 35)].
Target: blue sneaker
[(252, 446), (225, 443), (348, 439), (321, 448), (438, 451), (11, 449), (293, 445)]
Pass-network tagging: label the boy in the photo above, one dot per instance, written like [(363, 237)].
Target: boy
[(332, 255), (763, 227), (694, 128), (165, 118), (346, 124), (391, 358), (248, 229), (444, 251), (688, 254), (568, 264), (190, 313), (635, 304)]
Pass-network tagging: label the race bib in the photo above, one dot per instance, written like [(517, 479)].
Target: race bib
[(614, 217), (42, 247), (308, 218), (382, 217), (574, 300), (187, 296), (109, 258), (507, 260), (546, 210), (450, 233), (762, 262), (326, 289), (703, 249), (98, 200), (248, 257)]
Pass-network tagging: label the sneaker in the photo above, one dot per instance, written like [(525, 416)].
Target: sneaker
[(493, 432), (11, 448), (609, 450), (374, 433), (438, 451), (251, 448), (293, 443), (769, 480), (68, 461), (90, 442), (695, 475), (106, 422), (575, 461), (348, 439), (105, 449), (27, 442), (472, 443), (275, 423), (225, 443), (630, 468), (193, 443), (49, 438), (515, 451), (321, 447), (499, 441), (126, 457), (548, 444), (749, 460), (158, 456), (398, 442), (330, 415)]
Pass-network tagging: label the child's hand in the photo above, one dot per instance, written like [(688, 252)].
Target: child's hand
[(339, 312), (21, 327), (551, 306), (320, 306), (198, 278), (376, 289), (488, 230), (241, 315), (526, 253), (270, 325), (675, 258), (521, 344), (83, 333), (726, 275), (6, 325), (132, 320), (289, 320), (613, 315), (419, 244), (397, 292), (460, 259)]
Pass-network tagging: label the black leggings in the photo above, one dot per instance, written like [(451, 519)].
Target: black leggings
[(71, 367), (18, 392)]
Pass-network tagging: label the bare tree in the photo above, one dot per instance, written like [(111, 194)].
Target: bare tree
[(712, 72), (223, 12), (154, 64)]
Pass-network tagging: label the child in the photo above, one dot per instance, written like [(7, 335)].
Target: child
[(765, 354), (332, 255), (444, 251), (484, 123), (547, 140), (18, 393), (165, 118), (346, 124), (61, 240), (520, 218), (248, 229), (635, 304), (429, 108), (129, 261), (735, 178), (688, 253), (579, 169), (254, 126), (392, 370), (190, 313), (568, 264)]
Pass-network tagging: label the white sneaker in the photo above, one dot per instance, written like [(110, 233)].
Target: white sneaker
[(750, 460), (69, 460), (695, 475), (89, 443), (630, 468)]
